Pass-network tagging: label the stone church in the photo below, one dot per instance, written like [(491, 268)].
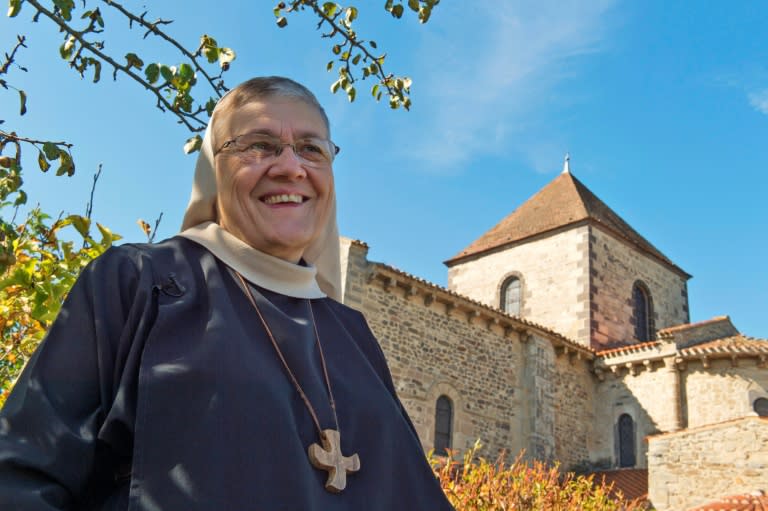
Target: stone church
[(565, 333)]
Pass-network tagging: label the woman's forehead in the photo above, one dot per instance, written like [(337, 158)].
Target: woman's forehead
[(277, 115)]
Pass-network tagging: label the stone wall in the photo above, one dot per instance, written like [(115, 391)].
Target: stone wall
[(649, 394), (693, 467), (615, 267), (723, 391), (508, 387), (573, 392), (554, 273)]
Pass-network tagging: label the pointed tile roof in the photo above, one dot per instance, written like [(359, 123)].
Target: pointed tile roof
[(564, 201)]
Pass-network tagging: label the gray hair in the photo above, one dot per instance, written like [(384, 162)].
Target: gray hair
[(265, 87)]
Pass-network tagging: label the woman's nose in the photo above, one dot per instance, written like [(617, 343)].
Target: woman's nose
[(287, 164)]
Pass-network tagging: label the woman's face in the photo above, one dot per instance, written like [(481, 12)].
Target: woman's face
[(281, 204)]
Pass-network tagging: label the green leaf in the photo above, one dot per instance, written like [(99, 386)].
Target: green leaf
[(66, 165), (210, 105), (166, 72), (226, 55), (282, 22), (21, 198), (186, 72), (329, 8), (329, 66), (351, 14), (96, 70), (356, 59), (51, 150), (66, 49), (336, 49), (373, 44), (134, 61), (23, 100), (14, 8), (42, 162), (81, 223), (106, 235), (375, 91), (414, 5), (335, 86), (152, 72), (65, 8), (351, 93), (193, 144), (397, 12)]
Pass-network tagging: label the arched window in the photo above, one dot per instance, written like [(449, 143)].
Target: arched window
[(511, 296), (626, 434), (443, 421), (642, 312), (761, 406)]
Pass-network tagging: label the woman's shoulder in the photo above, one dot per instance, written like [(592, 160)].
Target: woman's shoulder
[(149, 262), (171, 250)]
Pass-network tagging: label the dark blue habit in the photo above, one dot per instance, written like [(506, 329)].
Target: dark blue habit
[(157, 389)]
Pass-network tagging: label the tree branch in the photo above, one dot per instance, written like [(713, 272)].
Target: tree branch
[(162, 102), (152, 28), (16, 138)]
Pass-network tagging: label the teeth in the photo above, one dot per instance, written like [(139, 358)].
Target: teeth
[(276, 199)]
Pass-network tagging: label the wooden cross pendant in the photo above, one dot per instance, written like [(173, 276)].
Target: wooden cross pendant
[(329, 458)]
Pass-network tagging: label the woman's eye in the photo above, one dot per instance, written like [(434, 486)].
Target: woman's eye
[(309, 147), (262, 147)]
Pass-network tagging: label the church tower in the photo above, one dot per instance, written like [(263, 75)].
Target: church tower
[(565, 260)]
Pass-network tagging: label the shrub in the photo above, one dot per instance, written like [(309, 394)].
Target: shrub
[(475, 484)]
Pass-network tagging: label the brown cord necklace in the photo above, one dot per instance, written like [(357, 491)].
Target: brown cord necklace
[(329, 456)]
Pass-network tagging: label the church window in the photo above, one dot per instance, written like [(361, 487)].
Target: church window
[(626, 432), (443, 420), (761, 406), (511, 296), (643, 312)]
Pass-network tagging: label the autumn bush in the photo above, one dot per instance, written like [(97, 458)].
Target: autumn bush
[(476, 484)]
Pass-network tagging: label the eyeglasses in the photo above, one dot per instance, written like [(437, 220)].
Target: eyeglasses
[(313, 151)]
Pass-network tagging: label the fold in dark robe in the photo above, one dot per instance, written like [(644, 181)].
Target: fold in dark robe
[(158, 389)]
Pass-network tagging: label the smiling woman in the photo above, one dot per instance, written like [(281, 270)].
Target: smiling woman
[(216, 370)]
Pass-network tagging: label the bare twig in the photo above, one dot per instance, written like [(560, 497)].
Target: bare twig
[(89, 206), (154, 229), (20, 39)]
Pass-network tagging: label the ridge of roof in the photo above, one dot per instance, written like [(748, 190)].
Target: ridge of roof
[(733, 345), (667, 332), (562, 202), (493, 310)]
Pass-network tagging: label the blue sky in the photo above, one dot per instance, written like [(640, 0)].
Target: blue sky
[(662, 105)]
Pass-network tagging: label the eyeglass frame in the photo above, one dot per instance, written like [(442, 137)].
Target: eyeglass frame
[(281, 145)]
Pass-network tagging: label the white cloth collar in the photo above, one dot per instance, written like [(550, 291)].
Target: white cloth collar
[(262, 269)]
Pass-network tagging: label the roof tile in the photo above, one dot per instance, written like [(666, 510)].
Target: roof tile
[(755, 501)]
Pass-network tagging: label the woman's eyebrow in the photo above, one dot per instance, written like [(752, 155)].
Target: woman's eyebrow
[(299, 134)]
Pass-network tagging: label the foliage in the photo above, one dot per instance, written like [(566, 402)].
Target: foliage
[(476, 484), (354, 53)]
